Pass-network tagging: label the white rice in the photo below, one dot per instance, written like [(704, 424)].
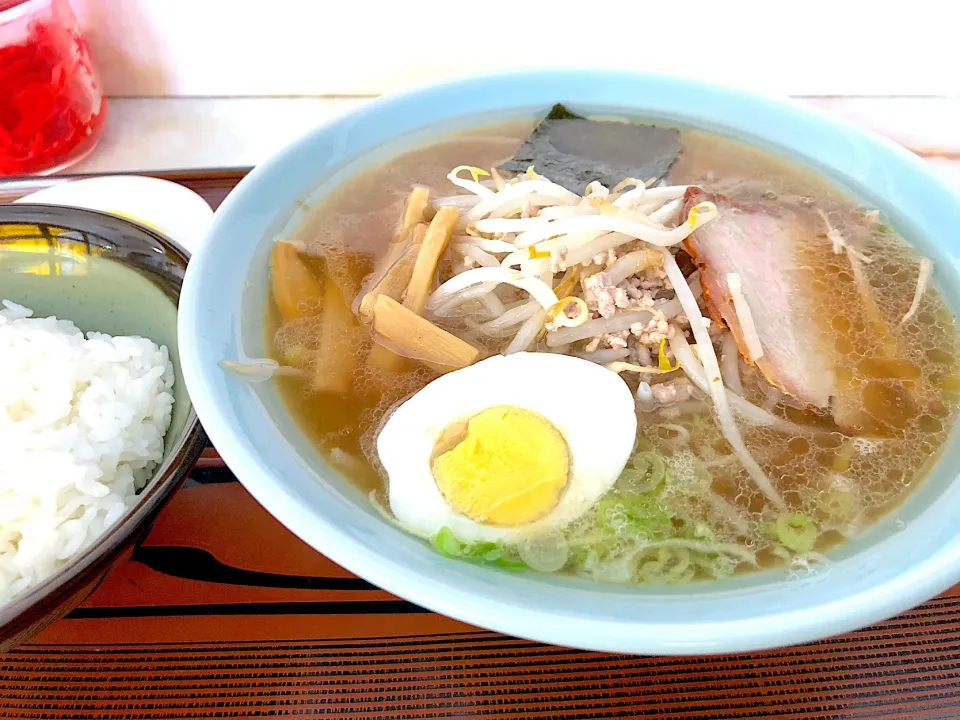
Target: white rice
[(82, 422)]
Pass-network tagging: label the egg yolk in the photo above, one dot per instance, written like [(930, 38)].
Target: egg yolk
[(509, 469)]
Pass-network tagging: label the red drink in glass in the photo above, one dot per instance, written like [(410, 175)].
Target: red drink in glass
[(52, 105)]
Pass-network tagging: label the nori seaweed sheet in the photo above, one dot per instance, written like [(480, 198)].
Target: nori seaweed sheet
[(573, 151)]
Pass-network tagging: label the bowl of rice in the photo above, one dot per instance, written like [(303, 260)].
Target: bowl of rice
[(96, 428)]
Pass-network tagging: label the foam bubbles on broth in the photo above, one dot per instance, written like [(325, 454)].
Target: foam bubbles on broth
[(843, 483)]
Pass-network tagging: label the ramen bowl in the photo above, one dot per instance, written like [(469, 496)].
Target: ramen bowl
[(112, 276), (903, 559)]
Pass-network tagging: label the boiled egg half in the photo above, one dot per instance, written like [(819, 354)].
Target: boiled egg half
[(508, 447)]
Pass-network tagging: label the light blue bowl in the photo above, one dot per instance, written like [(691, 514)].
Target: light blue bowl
[(890, 568)]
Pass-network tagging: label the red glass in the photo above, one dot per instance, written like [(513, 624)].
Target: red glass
[(52, 105)]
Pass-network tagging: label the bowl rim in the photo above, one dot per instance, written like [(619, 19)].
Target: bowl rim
[(168, 475), (913, 585)]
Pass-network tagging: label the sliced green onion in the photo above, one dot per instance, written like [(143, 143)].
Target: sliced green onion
[(548, 552), (488, 553), (841, 505), (797, 532), (635, 515), (652, 471), (673, 566), (446, 543)]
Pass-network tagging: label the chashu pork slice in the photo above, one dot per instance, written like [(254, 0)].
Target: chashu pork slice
[(769, 249)]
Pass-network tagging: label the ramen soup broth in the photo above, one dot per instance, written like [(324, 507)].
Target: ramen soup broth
[(686, 505)]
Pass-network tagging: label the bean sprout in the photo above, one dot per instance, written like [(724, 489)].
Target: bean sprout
[(492, 201), (505, 225), (559, 212), (527, 333), (652, 198), (602, 357), (583, 253), (619, 367), (557, 313), (501, 326), (666, 192), (728, 425), (535, 199), (926, 270), (257, 370), (744, 408), (479, 256), (596, 189), (474, 185), (463, 202), (681, 436), (537, 288), (469, 294), (493, 304), (631, 198), (742, 310), (730, 363), (600, 326), (490, 246), (666, 213), (838, 241), (631, 264), (699, 215), (628, 182)]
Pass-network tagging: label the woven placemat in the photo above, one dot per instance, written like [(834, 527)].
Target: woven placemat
[(222, 613)]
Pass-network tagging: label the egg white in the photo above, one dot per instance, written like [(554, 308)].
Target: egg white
[(591, 407)]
